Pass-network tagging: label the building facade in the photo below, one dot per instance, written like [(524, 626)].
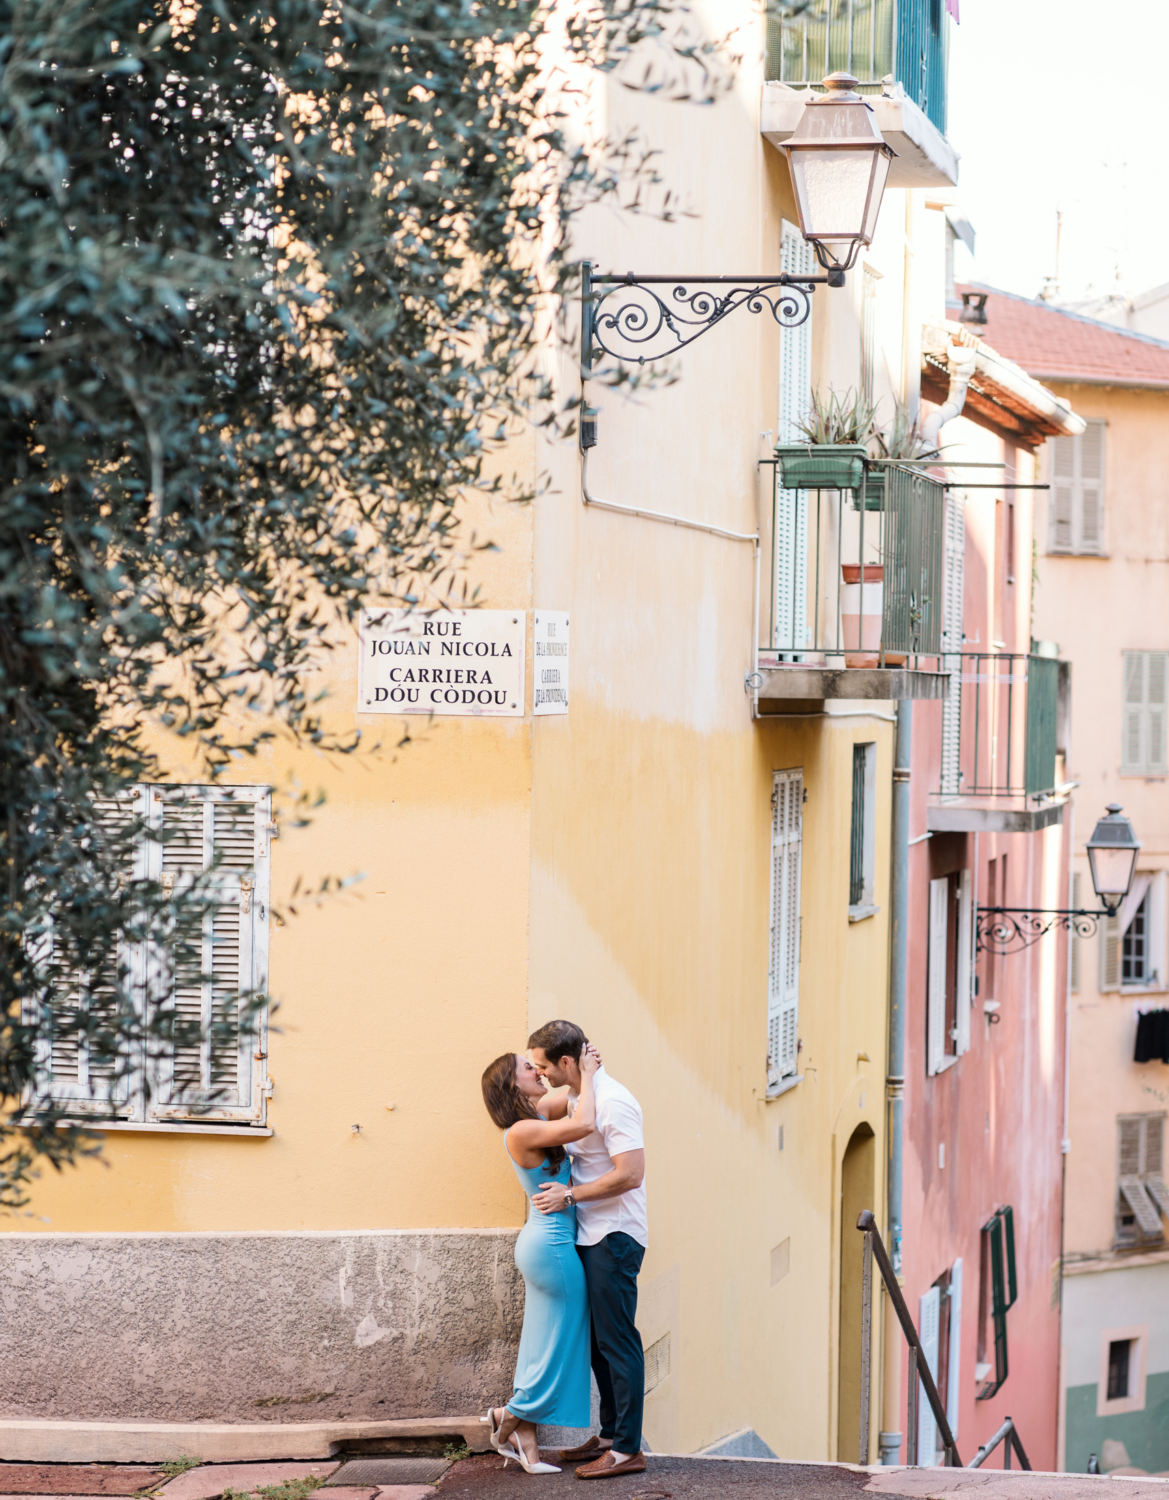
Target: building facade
[(1101, 537)]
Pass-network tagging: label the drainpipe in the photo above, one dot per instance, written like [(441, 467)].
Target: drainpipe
[(960, 360), (890, 1437)]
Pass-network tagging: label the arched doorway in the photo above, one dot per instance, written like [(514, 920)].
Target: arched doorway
[(857, 1178)]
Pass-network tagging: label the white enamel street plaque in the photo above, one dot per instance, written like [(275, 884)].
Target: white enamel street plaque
[(550, 671), (460, 661)]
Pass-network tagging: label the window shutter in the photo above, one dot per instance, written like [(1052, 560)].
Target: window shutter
[(1075, 941), (1091, 488), (1143, 1208), (784, 962), (1156, 684), (954, 1371), (1063, 479), (1157, 962), (73, 1068), (936, 1004), (1109, 953), (927, 1424), (965, 981), (219, 835), (790, 541), (952, 644), (1132, 754)]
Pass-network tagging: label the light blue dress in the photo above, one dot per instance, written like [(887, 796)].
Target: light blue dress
[(552, 1368)]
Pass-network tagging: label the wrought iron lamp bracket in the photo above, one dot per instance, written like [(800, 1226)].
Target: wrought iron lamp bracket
[(654, 325), (1010, 929)]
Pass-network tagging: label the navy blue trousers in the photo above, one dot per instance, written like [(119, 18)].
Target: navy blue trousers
[(611, 1267)]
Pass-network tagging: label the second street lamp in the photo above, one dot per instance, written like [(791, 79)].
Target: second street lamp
[(1112, 857)]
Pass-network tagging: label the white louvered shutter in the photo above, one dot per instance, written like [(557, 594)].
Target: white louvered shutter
[(73, 1068), (936, 1004), (1157, 966), (1061, 536), (1146, 706), (1156, 685), (783, 989), (1140, 1147), (218, 835), (1110, 936), (929, 1309), (952, 643), (791, 509), (1090, 517), (954, 1370), (965, 976)]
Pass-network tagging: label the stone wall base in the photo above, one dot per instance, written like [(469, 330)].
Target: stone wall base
[(297, 1330)]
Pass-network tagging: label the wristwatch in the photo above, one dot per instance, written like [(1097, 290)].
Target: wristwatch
[(569, 1200)]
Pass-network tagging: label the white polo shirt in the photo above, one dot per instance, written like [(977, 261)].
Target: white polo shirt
[(618, 1129)]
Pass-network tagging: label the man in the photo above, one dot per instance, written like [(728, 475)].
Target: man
[(608, 1169)]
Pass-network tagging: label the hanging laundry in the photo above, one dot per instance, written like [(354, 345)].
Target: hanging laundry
[(1152, 1037)]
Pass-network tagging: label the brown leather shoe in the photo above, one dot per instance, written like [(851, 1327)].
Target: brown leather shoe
[(609, 1468), (594, 1448)]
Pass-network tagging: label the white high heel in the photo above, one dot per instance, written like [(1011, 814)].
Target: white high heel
[(517, 1453), (493, 1430)]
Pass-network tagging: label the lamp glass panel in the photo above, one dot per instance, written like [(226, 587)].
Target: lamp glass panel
[(876, 193), (832, 190), (1112, 870)]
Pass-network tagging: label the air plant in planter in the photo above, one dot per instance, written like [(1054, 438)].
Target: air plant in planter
[(836, 429), (903, 439)]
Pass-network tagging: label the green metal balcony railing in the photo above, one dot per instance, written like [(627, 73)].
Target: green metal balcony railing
[(1006, 733), (872, 40)]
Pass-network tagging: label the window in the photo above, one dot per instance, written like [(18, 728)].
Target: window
[(791, 506), (1119, 1352), (1132, 943), (221, 833), (1122, 1381), (1146, 675), (949, 979), (1141, 1195), (783, 980), (1076, 473), (997, 1294), (863, 839), (940, 1331)]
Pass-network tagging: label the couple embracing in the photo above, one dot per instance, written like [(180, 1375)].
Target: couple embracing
[(579, 1154)]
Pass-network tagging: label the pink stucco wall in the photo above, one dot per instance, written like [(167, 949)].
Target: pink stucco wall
[(998, 1111)]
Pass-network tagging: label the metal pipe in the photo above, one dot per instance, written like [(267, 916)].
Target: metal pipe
[(895, 1067), (658, 515)]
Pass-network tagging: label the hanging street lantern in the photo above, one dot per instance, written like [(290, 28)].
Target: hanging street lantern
[(1112, 855), (839, 165)]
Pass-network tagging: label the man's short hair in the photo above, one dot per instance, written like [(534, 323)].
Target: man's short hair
[(557, 1039)]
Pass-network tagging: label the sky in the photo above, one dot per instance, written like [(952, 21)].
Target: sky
[(1056, 105)]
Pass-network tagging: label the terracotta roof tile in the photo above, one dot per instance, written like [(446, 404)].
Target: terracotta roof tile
[(1051, 344)]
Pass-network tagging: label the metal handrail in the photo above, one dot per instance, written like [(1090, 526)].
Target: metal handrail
[(918, 1367), (1010, 1436)]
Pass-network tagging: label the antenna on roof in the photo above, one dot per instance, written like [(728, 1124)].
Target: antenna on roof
[(1050, 290)]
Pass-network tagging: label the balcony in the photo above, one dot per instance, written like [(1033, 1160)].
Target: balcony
[(854, 606), (875, 41), (1003, 724)]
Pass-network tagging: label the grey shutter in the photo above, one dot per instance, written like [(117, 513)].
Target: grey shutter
[(939, 916), (929, 1312), (954, 1370), (1133, 741), (1090, 506), (219, 837), (783, 990), (952, 643), (1142, 1206), (790, 541), (1146, 705), (1075, 941), (1156, 685), (1110, 936), (73, 1068), (1063, 481)]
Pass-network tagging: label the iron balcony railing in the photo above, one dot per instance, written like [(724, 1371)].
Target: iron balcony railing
[(856, 579), (872, 40), (999, 724)]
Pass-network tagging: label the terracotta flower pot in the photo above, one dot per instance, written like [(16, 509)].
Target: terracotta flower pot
[(861, 610)]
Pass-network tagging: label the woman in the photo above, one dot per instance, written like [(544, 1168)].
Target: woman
[(552, 1369)]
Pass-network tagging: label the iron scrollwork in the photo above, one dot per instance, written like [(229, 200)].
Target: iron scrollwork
[(653, 325), (1010, 929)]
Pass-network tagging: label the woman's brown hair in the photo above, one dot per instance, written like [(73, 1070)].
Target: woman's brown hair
[(505, 1104)]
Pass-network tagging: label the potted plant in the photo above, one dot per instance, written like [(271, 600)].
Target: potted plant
[(901, 439), (836, 429)]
